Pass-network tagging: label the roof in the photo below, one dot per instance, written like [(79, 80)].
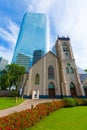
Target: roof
[(83, 77), (80, 70), (44, 56), (64, 38)]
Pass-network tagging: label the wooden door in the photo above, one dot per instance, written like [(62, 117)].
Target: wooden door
[(85, 90), (51, 92), (73, 92)]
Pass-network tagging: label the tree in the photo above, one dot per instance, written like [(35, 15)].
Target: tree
[(11, 75), (85, 70)]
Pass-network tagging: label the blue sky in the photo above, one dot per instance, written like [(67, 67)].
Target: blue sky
[(66, 17)]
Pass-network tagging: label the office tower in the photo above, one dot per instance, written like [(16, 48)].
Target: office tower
[(37, 54), (33, 35), (3, 63), (23, 60)]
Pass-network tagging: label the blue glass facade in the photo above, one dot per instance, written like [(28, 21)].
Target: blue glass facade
[(33, 35), (37, 54), (23, 60)]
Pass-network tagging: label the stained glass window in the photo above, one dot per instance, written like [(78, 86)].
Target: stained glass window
[(67, 70), (37, 79), (71, 70), (50, 72), (51, 85)]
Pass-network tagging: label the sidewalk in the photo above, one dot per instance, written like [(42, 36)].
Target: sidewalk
[(25, 105)]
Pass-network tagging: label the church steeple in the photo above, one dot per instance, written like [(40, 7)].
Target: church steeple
[(68, 70)]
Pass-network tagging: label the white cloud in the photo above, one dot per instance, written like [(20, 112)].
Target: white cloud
[(6, 53), (11, 33), (68, 17), (10, 36)]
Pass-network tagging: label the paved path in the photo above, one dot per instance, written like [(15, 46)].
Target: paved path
[(25, 105)]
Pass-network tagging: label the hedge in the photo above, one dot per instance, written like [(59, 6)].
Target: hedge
[(27, 118)]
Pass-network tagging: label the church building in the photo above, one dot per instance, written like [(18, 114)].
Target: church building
[(54, 76)]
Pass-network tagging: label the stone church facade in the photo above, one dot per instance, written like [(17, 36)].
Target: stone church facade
[(54, 76)]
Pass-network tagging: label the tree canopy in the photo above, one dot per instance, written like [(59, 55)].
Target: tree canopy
[(86, 70), (11, 75)]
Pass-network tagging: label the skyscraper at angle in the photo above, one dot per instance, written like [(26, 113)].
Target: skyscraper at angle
[(33, 35)]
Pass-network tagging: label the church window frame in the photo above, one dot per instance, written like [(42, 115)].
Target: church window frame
[(71, 70), (51, 72), (67, 70), (51, 85), (37, 79)]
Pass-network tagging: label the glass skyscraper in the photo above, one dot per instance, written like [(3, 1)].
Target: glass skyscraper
[(33, 35), (37, 54), (23, 60)]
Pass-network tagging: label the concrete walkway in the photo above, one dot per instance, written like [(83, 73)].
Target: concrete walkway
[(25, 105)]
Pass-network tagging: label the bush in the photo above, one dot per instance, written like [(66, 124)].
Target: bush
[(27, 118), (79, 102), (85, 102), (69, 102), (14, 93)]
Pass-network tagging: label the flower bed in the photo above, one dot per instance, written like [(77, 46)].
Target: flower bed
[(27, 118)]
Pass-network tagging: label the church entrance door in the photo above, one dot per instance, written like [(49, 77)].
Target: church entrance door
[(85, 90), (51, 90), (73, 90)]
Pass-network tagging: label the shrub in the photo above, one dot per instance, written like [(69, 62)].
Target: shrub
[(69, 102), (79, 102), (27, 118), (14, 93), (85, 101)]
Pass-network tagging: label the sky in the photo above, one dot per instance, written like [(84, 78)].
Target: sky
[(66, 18)]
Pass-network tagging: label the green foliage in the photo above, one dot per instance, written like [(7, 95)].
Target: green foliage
[(85, 101), (69, 102), (14, 93), (11, 75), (79, 102), (86, 70)]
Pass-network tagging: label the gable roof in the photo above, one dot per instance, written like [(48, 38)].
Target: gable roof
[(49, 52)]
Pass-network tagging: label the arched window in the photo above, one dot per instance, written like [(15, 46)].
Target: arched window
[(67, 70), (51, 85), (64, 44), (71, 70), (66, 50), (72, 85), (68, 64), (37, 79), (50, 72)]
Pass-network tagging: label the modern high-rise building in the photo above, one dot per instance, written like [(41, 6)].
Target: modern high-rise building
[(33, 35), (37, 55), (23, 60), (3, 63)]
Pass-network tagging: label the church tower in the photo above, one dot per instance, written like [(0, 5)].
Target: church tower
[(69, 79)]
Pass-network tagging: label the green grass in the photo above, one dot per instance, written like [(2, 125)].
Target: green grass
[(8, 102), (64, 119)]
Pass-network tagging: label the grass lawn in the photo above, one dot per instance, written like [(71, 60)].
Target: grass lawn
[(64, 119), (7, 102)]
